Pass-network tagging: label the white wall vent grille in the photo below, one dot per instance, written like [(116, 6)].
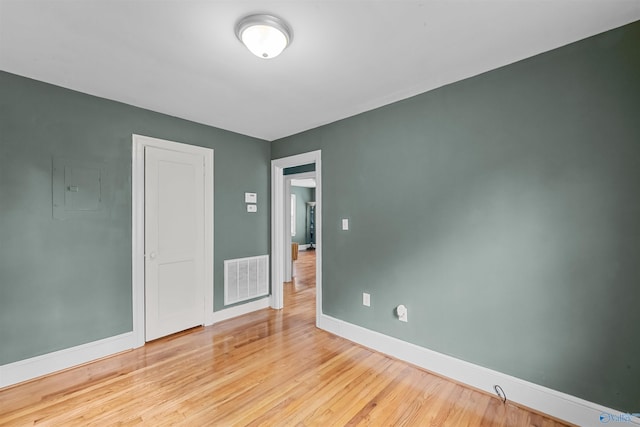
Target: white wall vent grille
[(246, 278)]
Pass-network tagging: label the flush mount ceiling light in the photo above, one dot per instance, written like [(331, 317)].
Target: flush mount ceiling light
[(266, 36)]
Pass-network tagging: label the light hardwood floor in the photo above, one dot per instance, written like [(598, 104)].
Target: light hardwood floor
[(271, 368)]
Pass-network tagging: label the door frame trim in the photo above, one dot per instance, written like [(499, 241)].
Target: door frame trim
[(139, 142), (278, 223)]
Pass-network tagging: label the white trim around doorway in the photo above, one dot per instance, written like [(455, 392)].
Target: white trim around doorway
[(278, 225)]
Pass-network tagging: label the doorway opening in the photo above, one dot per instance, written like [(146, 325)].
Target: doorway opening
[(300, 200), (281, 226), (300, 261)]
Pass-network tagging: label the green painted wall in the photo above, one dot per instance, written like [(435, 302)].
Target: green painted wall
[(65, 283), (303, 195), (504, 212)]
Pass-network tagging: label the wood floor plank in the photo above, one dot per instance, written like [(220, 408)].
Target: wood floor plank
[(267, 368)]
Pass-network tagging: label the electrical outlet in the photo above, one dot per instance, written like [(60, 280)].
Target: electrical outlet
[(366, 299), (403, 313)]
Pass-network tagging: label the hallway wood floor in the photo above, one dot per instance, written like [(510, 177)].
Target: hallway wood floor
[(271, 368)]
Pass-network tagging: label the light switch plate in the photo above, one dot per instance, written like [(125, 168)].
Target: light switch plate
[(345, 223), (366, 299), (252, 208), (250, 197)]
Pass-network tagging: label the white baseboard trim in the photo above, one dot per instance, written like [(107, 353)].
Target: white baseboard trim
[(208, 319), (28, 369), (239, 310), (303, 247), (557, 404)]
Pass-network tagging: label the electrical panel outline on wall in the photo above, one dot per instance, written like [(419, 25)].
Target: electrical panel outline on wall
[(78, 188)]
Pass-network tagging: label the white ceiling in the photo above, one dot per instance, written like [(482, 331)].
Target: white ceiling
[(181, 57)]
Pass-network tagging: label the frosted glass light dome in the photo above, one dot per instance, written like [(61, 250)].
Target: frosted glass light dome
[(266, 36)]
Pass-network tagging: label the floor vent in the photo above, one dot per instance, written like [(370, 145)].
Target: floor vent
[(246, 278)]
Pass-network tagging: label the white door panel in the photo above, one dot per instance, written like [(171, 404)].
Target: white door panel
[(174, 241)]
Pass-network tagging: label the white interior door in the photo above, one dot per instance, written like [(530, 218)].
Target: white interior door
[(174, 241)]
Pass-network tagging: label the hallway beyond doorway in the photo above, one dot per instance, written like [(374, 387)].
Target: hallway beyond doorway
[(301, 290)]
